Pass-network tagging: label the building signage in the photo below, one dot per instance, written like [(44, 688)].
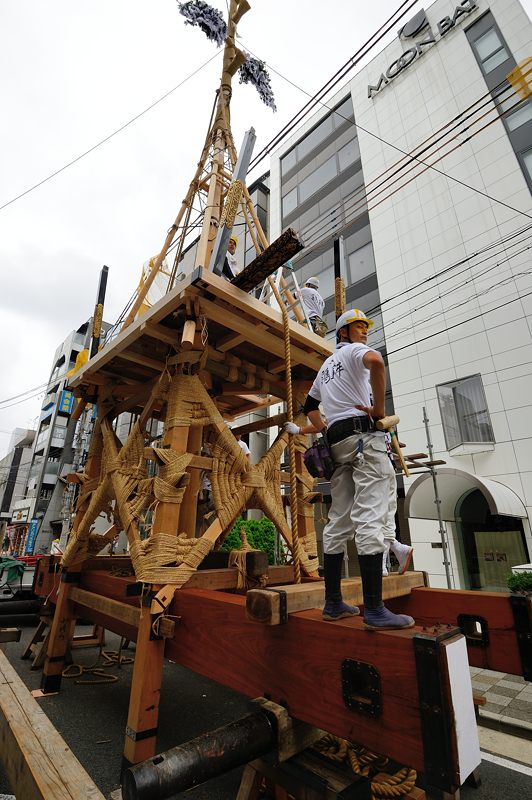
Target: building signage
[(20, 515), (66, 402), (30, 538), (413, 28)]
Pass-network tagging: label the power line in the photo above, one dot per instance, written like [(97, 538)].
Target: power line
[(457, 324), (368, 191), (110, 136), (332, 82), (413, 157)]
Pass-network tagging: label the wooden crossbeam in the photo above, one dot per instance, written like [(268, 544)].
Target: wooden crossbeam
[(266, 606)]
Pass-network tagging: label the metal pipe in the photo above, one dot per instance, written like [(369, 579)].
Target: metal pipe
[(437, 501), (200, 759)]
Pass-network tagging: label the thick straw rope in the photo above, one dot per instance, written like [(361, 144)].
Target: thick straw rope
[(371, 765), (296, 549)]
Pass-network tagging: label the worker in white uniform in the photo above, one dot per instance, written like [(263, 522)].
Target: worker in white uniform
[(314, 305), (351, 387), (229, 268)]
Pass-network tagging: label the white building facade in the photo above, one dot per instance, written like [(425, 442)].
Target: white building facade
[(424, 167)]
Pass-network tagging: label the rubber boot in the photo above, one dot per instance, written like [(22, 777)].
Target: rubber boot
[(335, 608), (376, 615), (403, 554)]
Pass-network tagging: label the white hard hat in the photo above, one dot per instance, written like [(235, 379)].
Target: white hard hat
[(315, 282), (354, 315)]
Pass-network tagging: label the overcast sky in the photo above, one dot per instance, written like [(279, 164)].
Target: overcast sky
[(74, 72)]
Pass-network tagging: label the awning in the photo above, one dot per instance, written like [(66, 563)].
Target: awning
[(452, 485)]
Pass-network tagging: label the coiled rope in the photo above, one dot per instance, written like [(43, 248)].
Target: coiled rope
[(371, 765)]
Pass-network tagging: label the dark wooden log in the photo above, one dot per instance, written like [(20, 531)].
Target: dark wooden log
[(277, 254)]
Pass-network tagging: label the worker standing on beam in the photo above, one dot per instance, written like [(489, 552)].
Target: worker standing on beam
[(314, 305), (351, 386)]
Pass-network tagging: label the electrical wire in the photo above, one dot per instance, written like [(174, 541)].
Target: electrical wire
[(110, 136), (366, 190), (390, 23)]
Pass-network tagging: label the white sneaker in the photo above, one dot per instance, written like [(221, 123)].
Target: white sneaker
[(403, 554)]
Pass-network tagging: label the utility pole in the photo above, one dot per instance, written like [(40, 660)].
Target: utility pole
[(442, 529)]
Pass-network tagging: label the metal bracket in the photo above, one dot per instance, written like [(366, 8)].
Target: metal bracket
[(283, 603), (522, 610), (469, 624), (361, 687), (432, 707)]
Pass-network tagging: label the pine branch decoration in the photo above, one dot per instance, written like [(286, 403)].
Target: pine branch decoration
[(254, 71), (209, 19)]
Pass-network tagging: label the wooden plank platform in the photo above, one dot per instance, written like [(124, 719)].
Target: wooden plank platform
[(136, 357), (271, 607), (37, 760)]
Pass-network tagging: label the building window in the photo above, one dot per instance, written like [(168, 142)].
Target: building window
[(464, 412), (490, 50), (527, 159), (515, 115)]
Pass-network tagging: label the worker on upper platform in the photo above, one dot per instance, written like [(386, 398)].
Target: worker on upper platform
[(314, 305), (351, 386), (229, 269)]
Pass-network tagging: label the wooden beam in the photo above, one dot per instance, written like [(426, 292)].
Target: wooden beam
[(144, 361), (432, 607), (38, 762), (111, 608), (300, 664), (265, 606), (268, 342), (160, 332)]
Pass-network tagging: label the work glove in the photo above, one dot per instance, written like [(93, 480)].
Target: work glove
[(291, 427)]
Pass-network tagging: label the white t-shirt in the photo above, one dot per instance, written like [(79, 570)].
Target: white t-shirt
[(343, 383), (313, 301), (243, 446)]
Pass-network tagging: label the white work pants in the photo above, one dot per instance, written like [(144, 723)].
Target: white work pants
[(364, 498)]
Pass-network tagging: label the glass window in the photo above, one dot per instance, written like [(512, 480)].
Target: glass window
[(288, 161), (317, 179), (343, 113), (487, 44), (491, 50), (520, 116), (464, 412), (289, 202), (348, 154), (315, 137), (361, 263), (527, 158)]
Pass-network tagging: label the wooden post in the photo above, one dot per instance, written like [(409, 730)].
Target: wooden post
[(143, 715), (64, 620), (189, 505)]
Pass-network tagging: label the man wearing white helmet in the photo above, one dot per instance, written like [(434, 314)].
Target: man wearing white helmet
[(314, 305), (351, 387)]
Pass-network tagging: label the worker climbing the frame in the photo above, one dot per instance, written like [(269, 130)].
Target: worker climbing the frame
[(229, 269), (314, 305), (351, 386)]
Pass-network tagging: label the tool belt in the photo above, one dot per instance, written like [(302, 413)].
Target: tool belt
[(348, 427)]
